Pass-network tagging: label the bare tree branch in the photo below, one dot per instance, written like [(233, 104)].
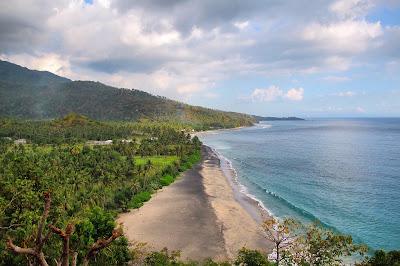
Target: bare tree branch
[(47, 203), (38, 254), (19, 250), (37, 250), (65, 236), (9, 227), (100, 244)]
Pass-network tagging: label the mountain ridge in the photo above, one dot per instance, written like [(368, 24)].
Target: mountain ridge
[(32, 94)]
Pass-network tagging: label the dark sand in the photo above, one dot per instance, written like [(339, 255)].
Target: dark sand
[(198, 214)]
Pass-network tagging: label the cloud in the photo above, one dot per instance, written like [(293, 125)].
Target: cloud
[(266, 95), (45, 62), (211, 95), (346, 94), (295, 94), (340, 110), (360, 110), (336, 78), (241, 25), (274, 93), (351, 8), (182, 48), (344, 37)]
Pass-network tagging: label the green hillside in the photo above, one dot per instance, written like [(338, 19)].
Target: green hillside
[(15, 74), (31, 94)]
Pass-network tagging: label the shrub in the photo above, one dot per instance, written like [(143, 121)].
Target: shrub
[(166, 180), (382, 258), (138, 199), (99, 224), (250, 257), (210, 262), (162, 258), (96, 224), (189, 161), (116, 254), (122, 198)]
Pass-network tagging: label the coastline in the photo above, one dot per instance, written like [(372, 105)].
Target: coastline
[(251, 203), (229, 201), (215, 131), (200, 214), (253, 206)]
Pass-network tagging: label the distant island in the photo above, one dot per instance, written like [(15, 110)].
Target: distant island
[(272, 118)]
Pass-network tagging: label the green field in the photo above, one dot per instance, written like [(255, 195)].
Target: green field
[(162, 161)]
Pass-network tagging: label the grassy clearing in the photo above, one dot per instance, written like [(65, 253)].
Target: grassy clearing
[(162, 161)]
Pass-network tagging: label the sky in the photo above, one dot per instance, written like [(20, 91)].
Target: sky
[(308, 58)]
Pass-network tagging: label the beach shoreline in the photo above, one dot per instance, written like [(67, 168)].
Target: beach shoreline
[(215, 131), (249, 202), (200, 214), (228, 200)]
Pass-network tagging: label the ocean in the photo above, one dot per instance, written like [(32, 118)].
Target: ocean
[(343, 173)]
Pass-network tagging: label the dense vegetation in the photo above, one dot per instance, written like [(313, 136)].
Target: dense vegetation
[(89, 184), (271, 118), (248, 257), (382, 258), (32, 94)]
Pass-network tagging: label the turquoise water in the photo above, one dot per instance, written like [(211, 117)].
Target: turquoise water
[(345, 173)]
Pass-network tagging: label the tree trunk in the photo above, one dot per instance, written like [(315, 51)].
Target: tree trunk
[(42, 259), (65, 254), (74, 259), (277, 254)]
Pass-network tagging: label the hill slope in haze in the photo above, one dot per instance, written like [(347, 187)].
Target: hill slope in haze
[(32, 94), (273, 118), (15, 74)]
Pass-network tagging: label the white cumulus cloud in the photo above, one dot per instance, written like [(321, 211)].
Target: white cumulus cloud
[(344, 37), (295, 94), (274, 93), (266, 95)]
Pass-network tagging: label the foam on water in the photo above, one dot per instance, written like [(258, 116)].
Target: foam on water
[(343, 173), (232, 175)]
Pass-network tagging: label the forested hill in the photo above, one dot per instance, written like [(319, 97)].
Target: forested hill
[(31, 94), (15, 74), (272, 118)]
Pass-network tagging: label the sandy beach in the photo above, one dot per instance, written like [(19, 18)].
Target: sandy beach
[(200, 214)]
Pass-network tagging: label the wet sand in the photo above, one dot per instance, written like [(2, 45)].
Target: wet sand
[(199, 214)]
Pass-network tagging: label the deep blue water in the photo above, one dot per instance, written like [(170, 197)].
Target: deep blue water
[(345, 173)]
